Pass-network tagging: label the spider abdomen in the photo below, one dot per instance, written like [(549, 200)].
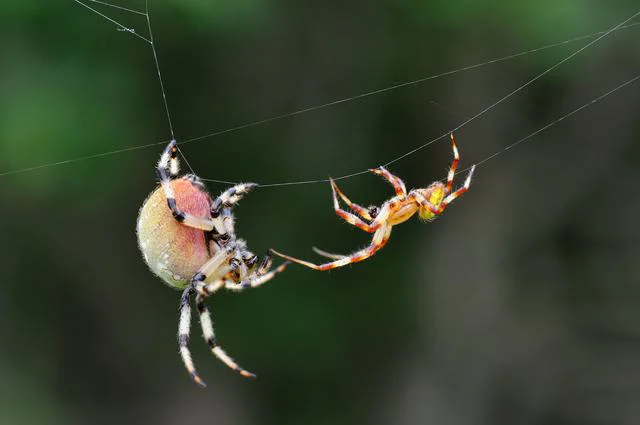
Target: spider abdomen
[(173, 251)]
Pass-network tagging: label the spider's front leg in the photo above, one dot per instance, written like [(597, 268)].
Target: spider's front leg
[(231, 196), (221, 208)]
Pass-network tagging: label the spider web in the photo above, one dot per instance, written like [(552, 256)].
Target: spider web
[(593, 38)]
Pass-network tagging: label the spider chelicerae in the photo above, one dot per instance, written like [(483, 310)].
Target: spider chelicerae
[(428, 202), (188, 239)]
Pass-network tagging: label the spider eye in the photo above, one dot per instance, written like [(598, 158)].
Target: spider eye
[(373, 211)]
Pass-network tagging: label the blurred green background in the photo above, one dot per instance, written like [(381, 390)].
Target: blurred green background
[(520, 305)]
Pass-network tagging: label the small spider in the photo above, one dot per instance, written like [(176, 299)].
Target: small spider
[(428, 203), (188, 240)]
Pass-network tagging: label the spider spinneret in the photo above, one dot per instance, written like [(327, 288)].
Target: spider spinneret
[(188, 239), (428, 202)]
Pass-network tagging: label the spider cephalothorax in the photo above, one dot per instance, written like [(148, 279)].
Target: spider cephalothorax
[(188, 239), (428, 202)]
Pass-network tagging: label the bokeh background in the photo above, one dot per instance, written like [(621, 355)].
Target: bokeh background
[(520, 305)]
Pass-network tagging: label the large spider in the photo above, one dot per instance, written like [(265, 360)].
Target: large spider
[(188, 240), (427, 202)]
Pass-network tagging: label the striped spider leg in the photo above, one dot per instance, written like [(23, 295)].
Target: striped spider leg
[(428, 202)]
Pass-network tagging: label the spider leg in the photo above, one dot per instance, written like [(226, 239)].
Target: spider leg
[(256, 279), (231, 196), (184, 328), (211, 271), (353, 219), (221, 207), (245, 264), (228, 221), (396, 181), (328, 254), (210, 338), (446, 201), (361, 211), (169, 161), (454, 165), (380, 238)]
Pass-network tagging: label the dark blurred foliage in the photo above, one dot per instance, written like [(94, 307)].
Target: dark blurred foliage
[(519, 306)]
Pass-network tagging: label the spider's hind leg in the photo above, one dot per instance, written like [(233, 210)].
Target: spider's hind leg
[(184, 329), (209, 272), (210, 338)]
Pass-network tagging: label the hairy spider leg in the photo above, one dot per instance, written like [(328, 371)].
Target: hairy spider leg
[(354, 220), (361, 211), (198, 285), (378, 227), (256, 280), (454, 165), (265, 264), (221, 208), (231, 196), (446, 201), (396, 182), (210, 338), (169, 161), (328, 254), (184, 328), (380, 238)]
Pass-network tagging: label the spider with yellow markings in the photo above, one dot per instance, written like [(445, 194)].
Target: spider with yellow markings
[(188, 239), (428, 202)]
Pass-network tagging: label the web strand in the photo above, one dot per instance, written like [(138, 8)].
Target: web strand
[(309, 109), (490, 157), (556, 121), (129, 30), (164, 95), (479, 114), (118, 7), (155, 58), (510, 94), (407, 83)]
